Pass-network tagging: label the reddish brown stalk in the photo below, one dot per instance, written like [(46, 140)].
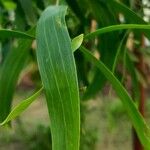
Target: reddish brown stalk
[(136, 143), (140, 66)]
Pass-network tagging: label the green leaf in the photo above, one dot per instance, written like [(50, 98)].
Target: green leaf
[(28, 9), (119, 51), (112, 28), (76, 42), (138, 122), (9, 73), (130, 15), (108, 51), (58, 73), (6, 33), (100, 79), (104, 16), (21, 107)]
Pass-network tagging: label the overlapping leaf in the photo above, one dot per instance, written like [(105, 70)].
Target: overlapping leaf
[(9, 74)]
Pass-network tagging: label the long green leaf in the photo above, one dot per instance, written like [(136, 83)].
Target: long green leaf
[(108, 51), (116, 28), (58, 74), (9, 74), (129, 15), (138, 122), (118, 52), (21, 107), (5, 33)]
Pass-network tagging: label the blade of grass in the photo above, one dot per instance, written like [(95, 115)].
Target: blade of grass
[(99, 80), (130, 16), (6, 33), (23, 105), (118, 51), (120, 47), (138, 122), (58, 73), (112, 28), (9, 74)]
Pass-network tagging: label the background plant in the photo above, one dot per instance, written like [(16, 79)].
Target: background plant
[(111, 46)]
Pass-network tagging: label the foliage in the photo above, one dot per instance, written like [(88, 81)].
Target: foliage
[(112, 23)]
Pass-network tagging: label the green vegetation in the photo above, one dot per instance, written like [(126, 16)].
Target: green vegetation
[(69, 50)]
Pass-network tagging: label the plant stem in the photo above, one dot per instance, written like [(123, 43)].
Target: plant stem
[(140, 66)]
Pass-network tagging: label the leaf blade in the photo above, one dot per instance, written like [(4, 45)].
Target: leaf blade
[(9, 73), (116, 28), (6, 33), (58, 74), (21, 107), (138, 122)]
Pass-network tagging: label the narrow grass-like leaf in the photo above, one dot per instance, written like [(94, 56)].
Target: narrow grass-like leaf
[(116, 28), (58, 73), (5, 33), (9, 74), (76, 42), (118, 52), (129, 14), (23, 105), (138, 122)]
